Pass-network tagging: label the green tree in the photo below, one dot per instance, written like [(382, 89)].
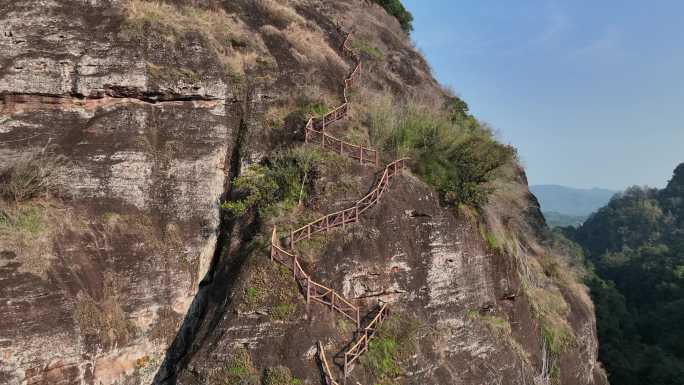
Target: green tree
[(636, 244), (396, 9)]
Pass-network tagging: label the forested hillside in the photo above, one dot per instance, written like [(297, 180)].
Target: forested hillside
[(636, 244)]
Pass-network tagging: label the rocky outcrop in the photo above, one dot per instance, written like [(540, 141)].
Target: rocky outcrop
[(145, 111), (102, 286)]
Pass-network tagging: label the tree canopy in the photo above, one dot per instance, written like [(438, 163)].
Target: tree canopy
[(636, 245), (397, 9)]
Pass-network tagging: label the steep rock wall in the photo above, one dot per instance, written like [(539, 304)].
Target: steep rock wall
[(101, 289), (156, 108)]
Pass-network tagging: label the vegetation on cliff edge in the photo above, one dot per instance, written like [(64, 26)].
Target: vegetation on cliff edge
[(397, 9), (449, 148)]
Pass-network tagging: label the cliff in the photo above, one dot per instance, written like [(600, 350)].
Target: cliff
[(139, 119)]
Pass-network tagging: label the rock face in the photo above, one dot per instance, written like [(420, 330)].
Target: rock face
[(131, 274), (121, 255)]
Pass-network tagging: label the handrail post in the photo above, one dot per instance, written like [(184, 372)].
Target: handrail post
[(345, 369), (358, 319), (308, 290)]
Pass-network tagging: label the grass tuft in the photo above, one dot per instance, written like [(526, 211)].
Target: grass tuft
[(27, 220), (279, 375), (395, 341), (31, 177), (282, 311), (490, 239), (371, 51)]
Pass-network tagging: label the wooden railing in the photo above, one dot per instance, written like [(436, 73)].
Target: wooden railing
[(327, 374), (314, 132), (314, 291), (363, 154), (361, 344), (347, 216)]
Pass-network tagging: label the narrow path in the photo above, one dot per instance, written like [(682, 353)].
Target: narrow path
[(314, 133)]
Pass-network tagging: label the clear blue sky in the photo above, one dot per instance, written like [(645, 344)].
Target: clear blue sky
[(590, 92)]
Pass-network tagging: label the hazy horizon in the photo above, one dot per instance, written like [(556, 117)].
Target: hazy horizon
[(577, 188), (590, 94)]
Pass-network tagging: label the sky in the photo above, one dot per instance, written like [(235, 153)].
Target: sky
[(590, 92)]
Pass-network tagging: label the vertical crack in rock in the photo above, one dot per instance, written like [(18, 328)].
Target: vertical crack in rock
[(209, 304)]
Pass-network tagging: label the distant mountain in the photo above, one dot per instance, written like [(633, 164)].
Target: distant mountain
[(571, 201), (555, 219)]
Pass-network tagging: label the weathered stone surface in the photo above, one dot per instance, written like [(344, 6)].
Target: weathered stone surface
[(124, 248), (432, 266)]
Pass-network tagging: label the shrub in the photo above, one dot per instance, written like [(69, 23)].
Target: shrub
[(451, 150), (396, 9), (256, 185), (238, 370), (316, 109), (395, 341), (313, 101), (380, 357), (279, 184), (279, 375)]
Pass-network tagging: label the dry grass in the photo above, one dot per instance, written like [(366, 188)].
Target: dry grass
[(28, 231), (542, 274), (30, 217), (275, 116), (166, 241), (25, 234), (226, 34), (310, 44), (31, 176), (106, 321), (173, 19), (277, 12), (550, 308)]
